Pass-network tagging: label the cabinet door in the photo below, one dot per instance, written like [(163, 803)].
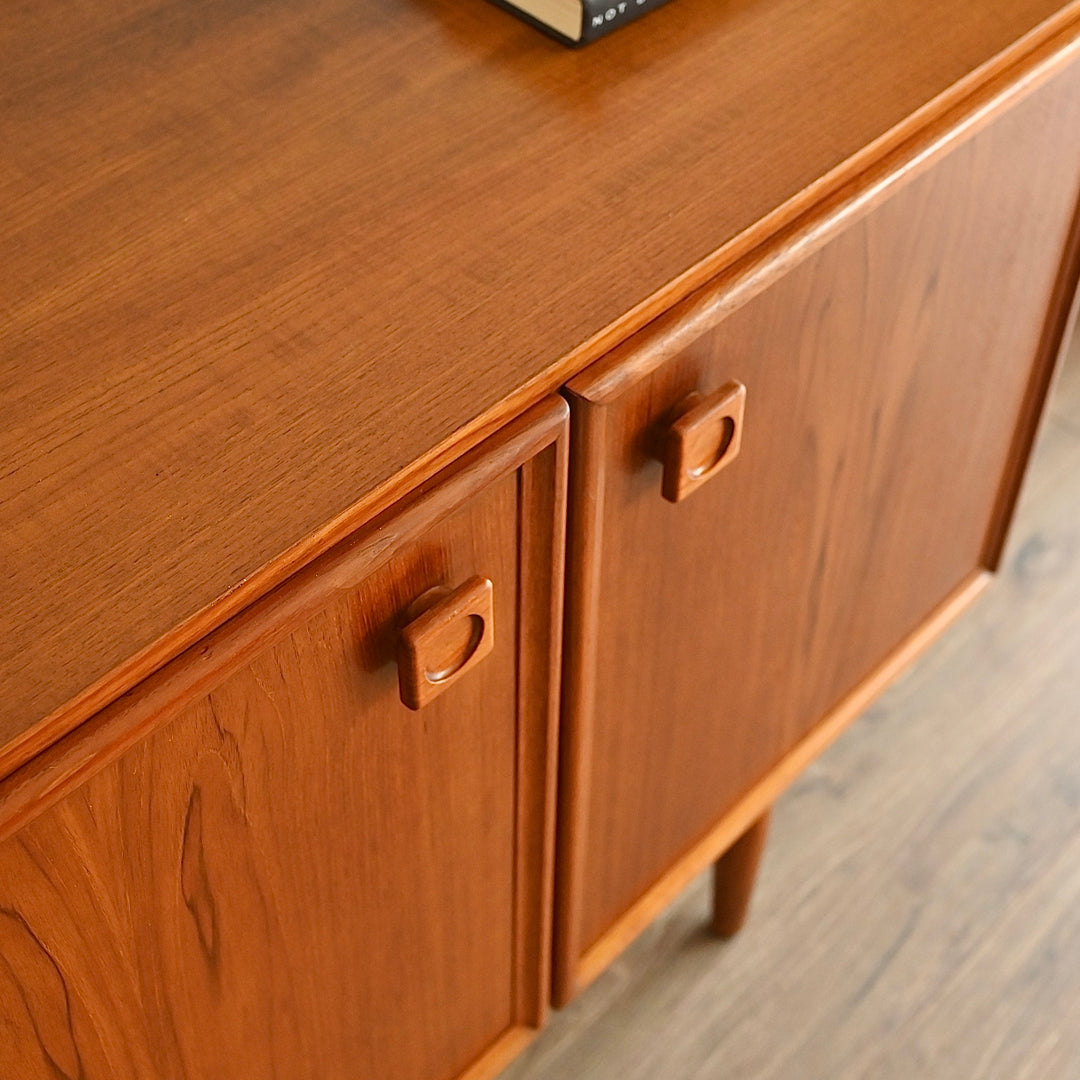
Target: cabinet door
[(298, 876), (893, 352)]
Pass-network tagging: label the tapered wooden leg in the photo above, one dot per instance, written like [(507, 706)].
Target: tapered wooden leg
[(733, 879)]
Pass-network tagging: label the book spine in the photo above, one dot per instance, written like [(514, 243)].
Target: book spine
[(600, 17)]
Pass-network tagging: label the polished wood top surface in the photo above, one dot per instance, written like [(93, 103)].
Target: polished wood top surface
[(260, 258)]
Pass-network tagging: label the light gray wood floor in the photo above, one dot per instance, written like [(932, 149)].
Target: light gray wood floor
[(918, 910)]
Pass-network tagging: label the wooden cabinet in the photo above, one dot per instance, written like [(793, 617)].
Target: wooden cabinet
[(890, 357), (296, 875), (291, 292)]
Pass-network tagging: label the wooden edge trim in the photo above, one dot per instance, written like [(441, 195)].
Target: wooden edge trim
[(588, 435), (541, 560), (750, 273), (101, 740), (1057, 332), (758, 800), (497, 1056)]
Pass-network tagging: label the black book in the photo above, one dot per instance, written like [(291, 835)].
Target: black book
[(577, 22)]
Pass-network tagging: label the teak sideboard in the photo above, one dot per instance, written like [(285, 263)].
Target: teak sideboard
[(453, 484)]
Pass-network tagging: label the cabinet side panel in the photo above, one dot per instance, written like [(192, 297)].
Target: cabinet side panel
[(886, 376)]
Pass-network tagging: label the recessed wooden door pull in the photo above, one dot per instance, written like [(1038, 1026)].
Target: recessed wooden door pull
[(703, 441), (448, 640)]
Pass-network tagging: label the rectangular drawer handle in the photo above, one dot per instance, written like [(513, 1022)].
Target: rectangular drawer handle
[(704, 440), (445, 642)]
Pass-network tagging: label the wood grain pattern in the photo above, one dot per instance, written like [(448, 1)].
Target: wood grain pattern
[(885, 393), (245, 264), (297, 875), (757, 800), (113, 731), (916, 914)]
